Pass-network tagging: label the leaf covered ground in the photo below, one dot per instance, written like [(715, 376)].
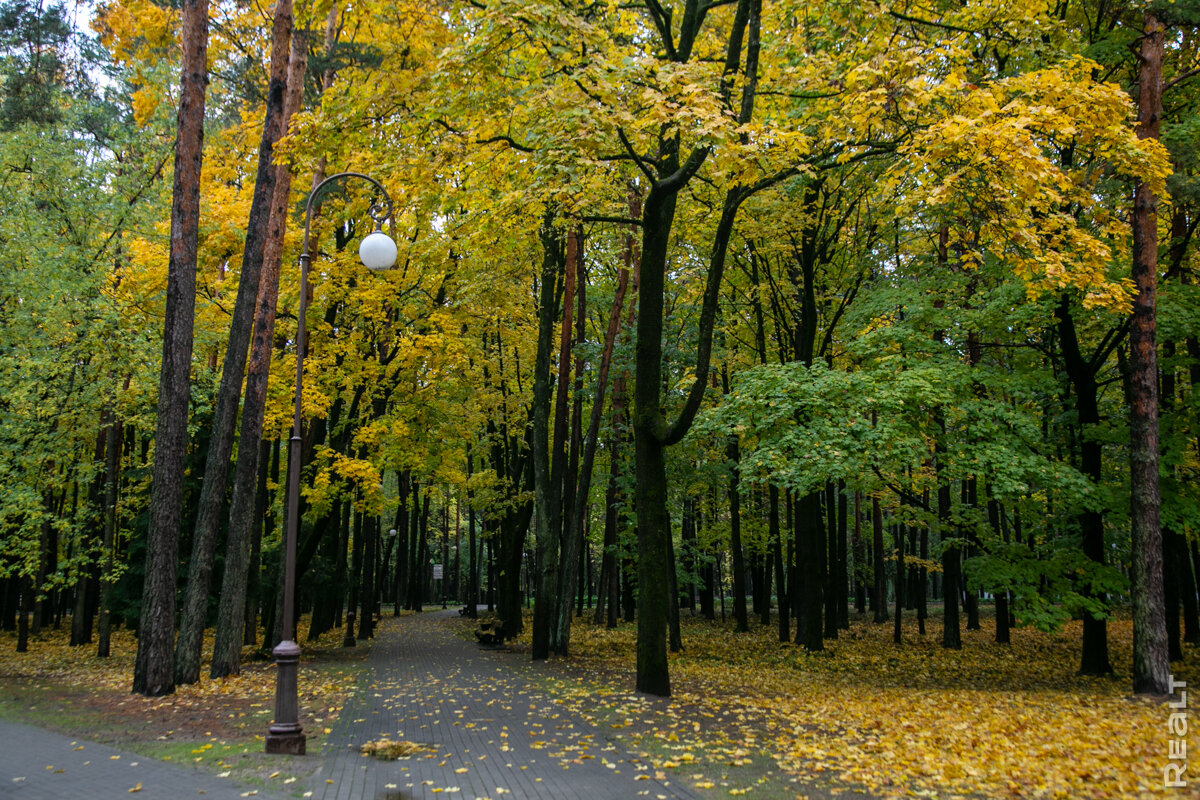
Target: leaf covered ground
[(218, 725), (867, 715)]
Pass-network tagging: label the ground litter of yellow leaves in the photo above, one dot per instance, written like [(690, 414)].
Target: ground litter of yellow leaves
[(217, 725), (913, 720)]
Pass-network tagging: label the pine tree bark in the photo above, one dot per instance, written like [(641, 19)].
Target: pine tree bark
[(1150, 668), (231, 615), (154, 669), (216, 470)]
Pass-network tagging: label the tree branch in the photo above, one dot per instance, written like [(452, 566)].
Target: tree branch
[(641, 162)]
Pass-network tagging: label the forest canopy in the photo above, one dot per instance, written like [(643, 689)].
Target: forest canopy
[(823, 307)]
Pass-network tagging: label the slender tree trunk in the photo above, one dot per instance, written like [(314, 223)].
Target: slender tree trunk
[(781, 587), (741, 621), (26, 594), (831, 561), (674, 634), (811, 555), (860, 558), (1001, 594), (923, 578), (212, 495), (842, 585), (366, 618), (262, 504), (897, 629), (579, 476), (1150, 668), (473, 561), (231, 616), (348, 636), (90, 541), (112, 465), (154, 669), (1082, 374), (880, 571)]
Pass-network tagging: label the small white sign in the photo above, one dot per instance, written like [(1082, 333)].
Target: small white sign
[(437, 572)]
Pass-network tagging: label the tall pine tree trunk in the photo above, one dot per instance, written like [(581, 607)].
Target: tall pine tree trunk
[(154, 669), (1150, 667)]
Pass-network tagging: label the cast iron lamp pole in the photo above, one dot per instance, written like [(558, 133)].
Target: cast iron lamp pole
[(377, 251)]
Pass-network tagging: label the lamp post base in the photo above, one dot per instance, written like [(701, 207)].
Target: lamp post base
[(286, 744), (285, 736)]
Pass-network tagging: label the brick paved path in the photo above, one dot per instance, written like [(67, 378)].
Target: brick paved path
[(37, 764), (489, 731)]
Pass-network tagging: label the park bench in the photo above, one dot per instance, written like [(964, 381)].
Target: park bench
[(492, 634)]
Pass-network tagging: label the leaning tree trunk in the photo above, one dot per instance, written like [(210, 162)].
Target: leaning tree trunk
[(231, 616), (1149, 623), (583, 490), (154, 672), (212, 493)]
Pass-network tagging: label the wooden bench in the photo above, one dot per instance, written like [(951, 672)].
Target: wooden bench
[(492, 634)]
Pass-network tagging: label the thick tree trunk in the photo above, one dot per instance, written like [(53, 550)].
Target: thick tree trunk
[(1150, 668), (212, 494), (546, 450), (154, 670), (652, 433)]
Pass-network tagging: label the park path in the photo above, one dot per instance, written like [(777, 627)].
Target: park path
[(486, 729), (37, 764)]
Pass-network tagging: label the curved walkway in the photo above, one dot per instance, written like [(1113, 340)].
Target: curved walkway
[(484, 727)]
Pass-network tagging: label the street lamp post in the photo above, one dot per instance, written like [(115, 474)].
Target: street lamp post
[(377, 251)]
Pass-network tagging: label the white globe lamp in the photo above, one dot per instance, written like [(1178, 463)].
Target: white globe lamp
[(377, 251)]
